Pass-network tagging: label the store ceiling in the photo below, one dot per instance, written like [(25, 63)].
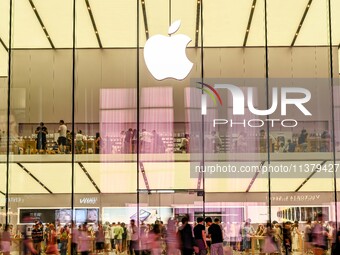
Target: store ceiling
[(113, 23), (90, 176), (225, 22)]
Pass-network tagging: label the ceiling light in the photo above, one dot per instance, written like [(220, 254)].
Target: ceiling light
[(308, 6), (89, 8), (253, 6)]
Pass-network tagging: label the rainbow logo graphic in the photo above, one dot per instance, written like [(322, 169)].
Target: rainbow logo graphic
[(208, 90)]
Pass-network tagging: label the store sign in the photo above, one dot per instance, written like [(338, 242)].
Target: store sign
[(88, 200), (165, 56)]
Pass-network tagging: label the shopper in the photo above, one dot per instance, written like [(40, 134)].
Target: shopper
[(52, 247), (287, 237), (97, 143), (100, 238), (84, 240), (215, 233), (63, 240), (41, 132), (118, 237), (319, 236), (247, 233), (62, 136), (187, 239), (200, 236), (37, 237), (134, 245), (6, 241), (79, 142)]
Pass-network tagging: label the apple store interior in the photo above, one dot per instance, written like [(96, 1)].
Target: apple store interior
[(113, 110)]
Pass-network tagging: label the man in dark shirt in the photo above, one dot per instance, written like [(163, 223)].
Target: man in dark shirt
[(200, 236), (215, 232), (37, 237)]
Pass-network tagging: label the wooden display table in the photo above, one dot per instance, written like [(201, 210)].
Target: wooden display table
[(253, 242)]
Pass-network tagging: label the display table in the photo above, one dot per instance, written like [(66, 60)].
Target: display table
[(253, 242)]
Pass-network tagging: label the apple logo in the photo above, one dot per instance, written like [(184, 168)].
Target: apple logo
[(165, 56)]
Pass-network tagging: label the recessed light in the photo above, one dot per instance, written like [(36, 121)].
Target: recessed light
[(253, 6)]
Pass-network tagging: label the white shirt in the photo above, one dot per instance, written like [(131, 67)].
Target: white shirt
[(62, 130)]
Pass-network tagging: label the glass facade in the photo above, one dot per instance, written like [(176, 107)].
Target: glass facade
[(88, 134)]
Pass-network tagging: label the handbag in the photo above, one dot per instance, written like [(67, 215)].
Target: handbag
[(269, 246)]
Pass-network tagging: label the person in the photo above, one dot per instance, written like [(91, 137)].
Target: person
[(241, 143), (100, 238), (118, 237), (308, 236), (269, 245), (186, 237), (185, 143), (52, 247), (63, 240), (79, 142), (75, 236), (325, 141), (133, 230), (215, 233), (124, 237), (277, 234), (172, 239), (134, 141), (128, 141), (295, 236), (302, 141), (145, 141), (41, 132), (319, 236), (84, 240), (157, 143), (62, 136), (13, 132), (215, 142), (200, 237), (6, 241), (37, 237), (97, 143), (154, 240), (287, 237), (291, 146), (247, 232), (336, 249)]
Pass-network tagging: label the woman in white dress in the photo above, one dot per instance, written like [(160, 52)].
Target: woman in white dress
[(295, 236)]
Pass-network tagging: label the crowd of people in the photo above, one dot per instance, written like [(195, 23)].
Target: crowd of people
[(205, 236), (151, 141)]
